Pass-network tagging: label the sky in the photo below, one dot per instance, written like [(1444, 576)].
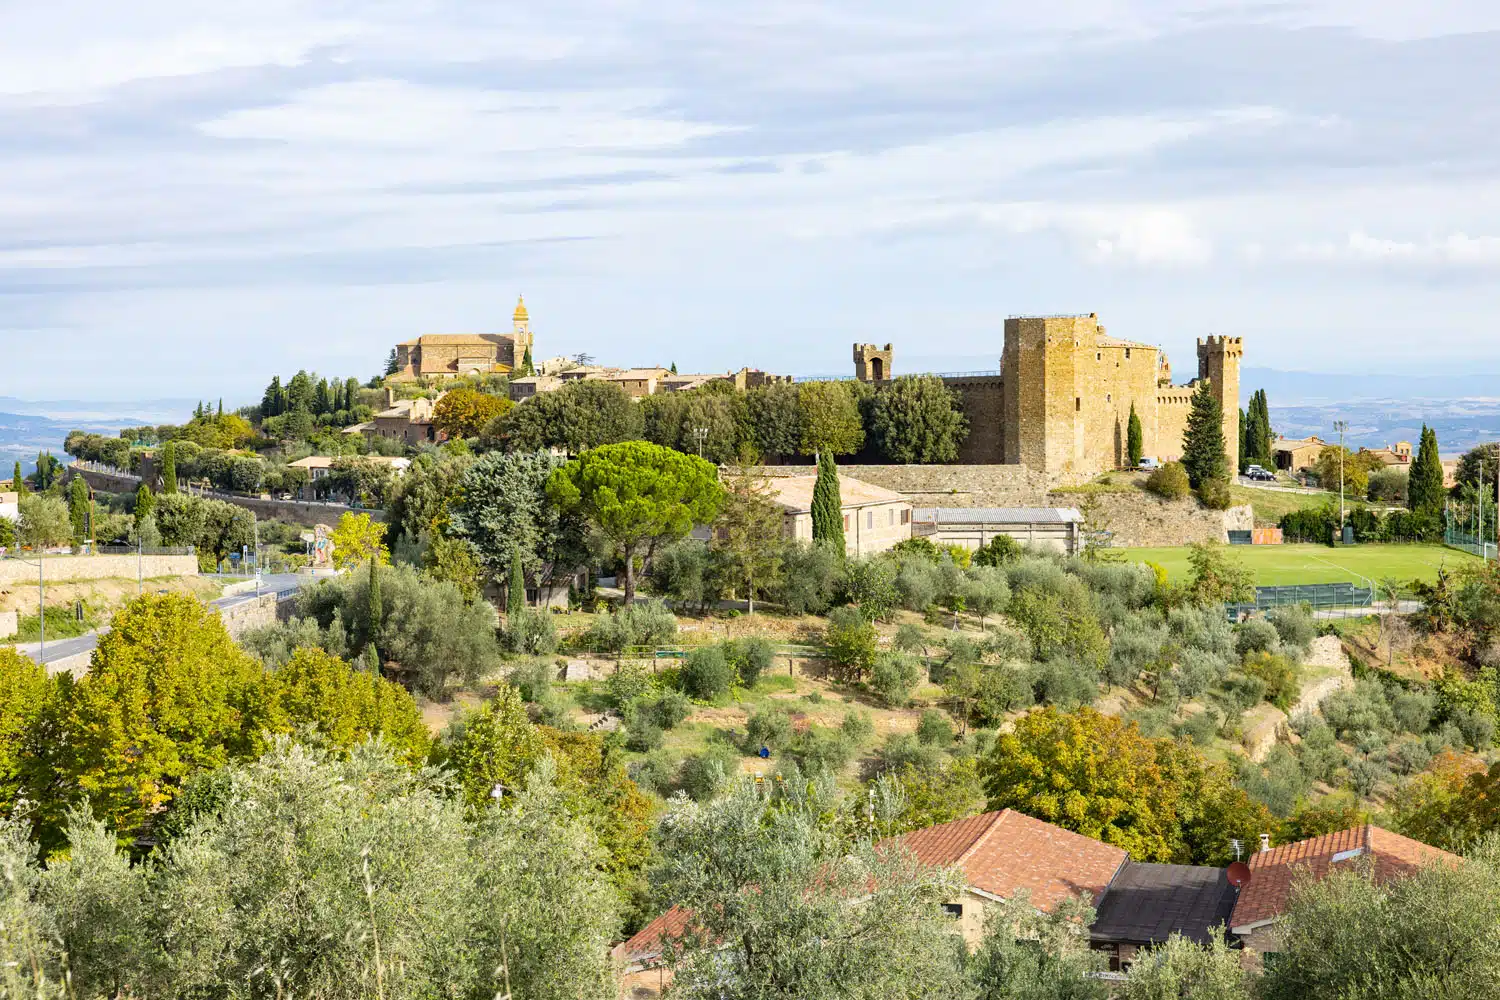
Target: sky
[(197, 195)]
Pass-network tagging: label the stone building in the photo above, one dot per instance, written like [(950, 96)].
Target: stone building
[(1060, 403), (450, 355), (875, 519)]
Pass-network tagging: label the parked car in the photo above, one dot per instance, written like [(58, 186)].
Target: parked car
[(1149, 464)]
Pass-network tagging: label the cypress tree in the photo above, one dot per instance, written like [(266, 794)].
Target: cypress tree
[(1256, 426), (16, 482), (526, 362), (1246, 436), (515, 591), (1424, 487), (1133, 444), (374, 612), (78, 508), (169, 468), (145, 503), (1203, 452), (827, 507)]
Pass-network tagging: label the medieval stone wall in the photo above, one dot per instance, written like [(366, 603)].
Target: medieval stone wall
[(946, 485), (982, 399)]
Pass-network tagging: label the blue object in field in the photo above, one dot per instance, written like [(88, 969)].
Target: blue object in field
[(765, 752)]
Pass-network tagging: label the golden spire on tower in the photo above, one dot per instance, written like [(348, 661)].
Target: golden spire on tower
[(520, 315)]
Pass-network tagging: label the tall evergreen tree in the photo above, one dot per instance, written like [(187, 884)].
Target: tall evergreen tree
[(827, 506), (1424, 488), (1203, 453), (16, 482), (78, 508), (1245, 435), (145, 503), (1133, 442), (270, 402), (515, 591), (526, 365), (390, 363), (351, 393), (374, 613), (169, 468)]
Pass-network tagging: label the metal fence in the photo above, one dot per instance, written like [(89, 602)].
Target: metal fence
[(1320, 596), (1471, 544)]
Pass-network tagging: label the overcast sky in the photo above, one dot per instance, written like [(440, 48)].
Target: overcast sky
[(193, 199)]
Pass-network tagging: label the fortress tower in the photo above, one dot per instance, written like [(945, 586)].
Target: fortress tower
[(521, 328), (1219, 362), (871, 364)]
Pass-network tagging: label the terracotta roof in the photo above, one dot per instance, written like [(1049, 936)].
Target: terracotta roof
[(459, 339), (795, 492), (1146, 904), (1002, 852), (646, 944), (1273, 872)]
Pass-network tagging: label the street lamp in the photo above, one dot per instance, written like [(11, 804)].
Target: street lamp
[(1341, 426)]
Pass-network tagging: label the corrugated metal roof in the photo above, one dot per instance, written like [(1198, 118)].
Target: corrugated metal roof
[(997, 515), (1147, 903)]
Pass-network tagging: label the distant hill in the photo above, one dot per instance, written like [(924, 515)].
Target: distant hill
[(31, 426)]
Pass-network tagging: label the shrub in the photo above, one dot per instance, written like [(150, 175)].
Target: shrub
[(704, 774), (856, 727), (934, 729), (1214, 494), (808, 576), (768, 727), (917, 585), (1279, 676), (1279, 783), (533, 633), (1064, 683), (1002, 550), (533, 679), (850, 641), (919, 548), (820, 750), (1256, 636), (893, 677), (1413, 710), (1199, 727), (670, 709), (750, 657), (707, 674), (1169, 482), (903, 750), (870, 584), (654, 772), (909, 639), (628, 684), (1362, 708), (1296, 626), (642, 734)]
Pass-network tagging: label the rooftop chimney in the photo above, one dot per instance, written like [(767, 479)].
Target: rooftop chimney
[(1265, 842)]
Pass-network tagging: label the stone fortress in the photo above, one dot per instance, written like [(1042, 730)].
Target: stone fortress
[(1060, 404)]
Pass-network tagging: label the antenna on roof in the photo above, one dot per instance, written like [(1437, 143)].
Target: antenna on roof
[(1236, 847), (1238, 874)]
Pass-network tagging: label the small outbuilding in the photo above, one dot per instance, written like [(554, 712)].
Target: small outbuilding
[(1059, 528)]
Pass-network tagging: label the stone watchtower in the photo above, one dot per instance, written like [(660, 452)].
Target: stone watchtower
[(1219, 362), (871, 364)]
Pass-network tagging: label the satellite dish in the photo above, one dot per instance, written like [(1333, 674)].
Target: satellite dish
[(1239, 874)]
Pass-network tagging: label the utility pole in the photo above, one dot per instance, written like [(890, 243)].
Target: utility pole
[(1341, 426), (701, 434)]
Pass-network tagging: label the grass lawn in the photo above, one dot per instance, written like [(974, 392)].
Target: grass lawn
[(1280, 565)]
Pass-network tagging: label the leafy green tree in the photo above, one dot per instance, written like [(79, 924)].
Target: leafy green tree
[(637, 495), (1029, 954), (775, 418), (1100, 777), (1185, 970), (748, 528), (1424, 489), (707, 674), (827, 506), (1429, 934), (428, 630), (465, 413), (26, 696), (44, 521), (346, 705), (500, 504), (850, 643), (1002, 550), (830, 418), (581, 415), (739, 868), (167, 693), (1219, 577), (78, 509), (1134, 445), (358, 539), (916, 418), (1203, 454)]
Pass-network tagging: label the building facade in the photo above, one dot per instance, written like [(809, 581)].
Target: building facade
[(451, 355)]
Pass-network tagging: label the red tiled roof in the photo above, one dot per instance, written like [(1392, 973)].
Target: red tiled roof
[(1273, 872), (1002, 852), (647, 942)]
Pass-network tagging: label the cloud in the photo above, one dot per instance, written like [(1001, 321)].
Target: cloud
[(755, 184)]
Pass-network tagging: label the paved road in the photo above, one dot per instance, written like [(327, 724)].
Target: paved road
[(62, 649)]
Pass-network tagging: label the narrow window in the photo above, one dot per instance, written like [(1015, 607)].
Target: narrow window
[(1127, 354), (1098, 355), (1078, 404), (890, 517), (869, 519), (1109, 397), (846, 522)]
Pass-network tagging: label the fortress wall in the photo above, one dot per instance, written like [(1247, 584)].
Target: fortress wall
[(982, 399)]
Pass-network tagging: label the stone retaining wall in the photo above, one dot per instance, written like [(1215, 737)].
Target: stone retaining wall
[(256, 613), (1143, 519), (305, 513), (945, 485), (122, 567)]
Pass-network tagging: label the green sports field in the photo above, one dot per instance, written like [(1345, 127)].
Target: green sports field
[(1280, 565)]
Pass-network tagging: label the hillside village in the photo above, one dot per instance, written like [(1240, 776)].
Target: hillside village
[(1065, 653)]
